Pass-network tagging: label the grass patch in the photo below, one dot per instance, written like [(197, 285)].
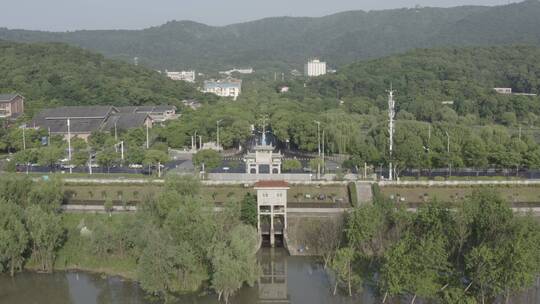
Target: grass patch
[(132, 194), (421, 194), (223, 194)]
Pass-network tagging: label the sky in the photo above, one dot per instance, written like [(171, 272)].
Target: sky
[(68, 15)]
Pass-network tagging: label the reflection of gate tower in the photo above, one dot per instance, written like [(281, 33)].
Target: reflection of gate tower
[(263, 159), (273, 281), (272, 209)]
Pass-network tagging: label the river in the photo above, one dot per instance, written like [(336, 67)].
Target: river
[(285, 279)]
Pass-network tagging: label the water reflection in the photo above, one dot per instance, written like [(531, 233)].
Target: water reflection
[(284, 279)]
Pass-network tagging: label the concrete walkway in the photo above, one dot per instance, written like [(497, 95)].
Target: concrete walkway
[(460, 183)]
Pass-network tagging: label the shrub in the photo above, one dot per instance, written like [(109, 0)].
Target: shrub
[(353, 196)]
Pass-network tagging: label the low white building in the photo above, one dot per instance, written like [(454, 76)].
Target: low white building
[(239, 71), (224, 88), (188, 76), (503, 90), (315, 68)]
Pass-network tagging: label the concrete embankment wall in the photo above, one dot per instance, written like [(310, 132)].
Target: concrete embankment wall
[(308, 229), (244, 177)]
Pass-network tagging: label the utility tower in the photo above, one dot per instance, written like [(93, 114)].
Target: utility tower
[(391, 115)]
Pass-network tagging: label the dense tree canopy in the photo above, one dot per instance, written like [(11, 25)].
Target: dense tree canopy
[(49, 74), (479, 250), (285, 42)]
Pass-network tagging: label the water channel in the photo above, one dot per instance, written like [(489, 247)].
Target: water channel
[(285, 279)]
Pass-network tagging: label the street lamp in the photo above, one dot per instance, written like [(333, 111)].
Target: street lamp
[(318, 136), (448, 152), (217, 127), (24, 136), (69, 146), (194, 142), (319, 147)]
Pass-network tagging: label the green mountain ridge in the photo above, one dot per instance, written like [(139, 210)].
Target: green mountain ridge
[(286, 42), (50, 74), (424, 78)]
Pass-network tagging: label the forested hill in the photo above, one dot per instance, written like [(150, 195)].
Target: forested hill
[(58, 74), (287, 42), (425, 78)]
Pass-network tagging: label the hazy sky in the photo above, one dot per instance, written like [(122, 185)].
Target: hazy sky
[(61, 15)]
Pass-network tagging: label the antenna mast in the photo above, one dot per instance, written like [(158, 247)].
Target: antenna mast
[(391, 115)]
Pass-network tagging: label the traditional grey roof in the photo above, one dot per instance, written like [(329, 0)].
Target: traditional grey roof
[(83, 119), (126, 121), (88, 119), (146, 109), (92, 112), (77, 125), (7, 97)]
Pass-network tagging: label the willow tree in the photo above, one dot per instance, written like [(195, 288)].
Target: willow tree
[(13, 237)]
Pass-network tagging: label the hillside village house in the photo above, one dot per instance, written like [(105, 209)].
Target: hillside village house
[(224, 88), (11, 105), (87, 119)]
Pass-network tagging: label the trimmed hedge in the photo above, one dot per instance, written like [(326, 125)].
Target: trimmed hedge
[(353, 194)]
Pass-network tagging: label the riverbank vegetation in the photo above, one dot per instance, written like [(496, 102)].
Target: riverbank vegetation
[(475, 253), (175, 244), (30, 223)]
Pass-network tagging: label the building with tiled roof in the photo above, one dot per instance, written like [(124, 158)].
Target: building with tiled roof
[(84, 120), (11, 105)]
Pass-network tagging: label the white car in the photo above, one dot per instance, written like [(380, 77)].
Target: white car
[(135, 166)]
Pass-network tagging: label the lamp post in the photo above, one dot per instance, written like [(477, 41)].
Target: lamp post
[(24, 136), (194, 142), (69, 146), (323, 161), (319, 147), (448, 152), (147, 138), (217, 135)]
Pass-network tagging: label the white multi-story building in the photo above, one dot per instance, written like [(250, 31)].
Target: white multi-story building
[(188, 76), (224, 88), (315, 68)]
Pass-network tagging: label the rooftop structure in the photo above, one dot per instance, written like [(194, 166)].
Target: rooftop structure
[(315, 68), (11, 105), (224, 88)]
